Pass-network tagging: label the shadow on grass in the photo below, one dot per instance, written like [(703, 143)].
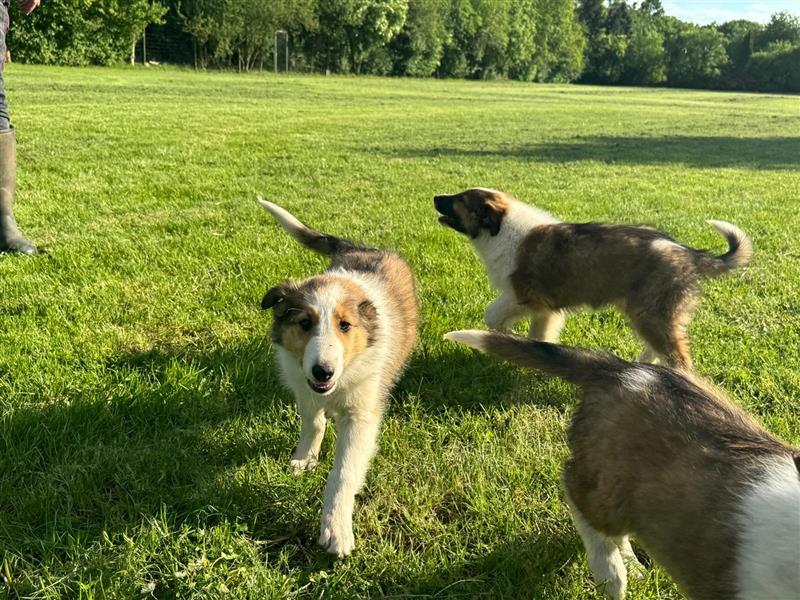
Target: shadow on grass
[(528, 566), (463, 379), (693, 151), (174, 430), (191, 433)]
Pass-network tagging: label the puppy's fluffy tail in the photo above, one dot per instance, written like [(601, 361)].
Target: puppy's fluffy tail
[(581, 367), (740, 251), (310, 238)]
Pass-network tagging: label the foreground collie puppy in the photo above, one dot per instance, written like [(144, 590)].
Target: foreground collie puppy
[(342, 339), (542, 267), (664, 457)]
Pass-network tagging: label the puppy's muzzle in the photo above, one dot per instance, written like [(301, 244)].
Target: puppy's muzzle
[(323, 379), (444, 204)]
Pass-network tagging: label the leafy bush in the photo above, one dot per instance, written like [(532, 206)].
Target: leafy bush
[(81, 32), (776, 70), (697, 56)]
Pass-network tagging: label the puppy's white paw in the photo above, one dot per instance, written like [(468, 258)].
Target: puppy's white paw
[(636, 570), (614, 589), (610, 574), (303, 464), (336, 535)]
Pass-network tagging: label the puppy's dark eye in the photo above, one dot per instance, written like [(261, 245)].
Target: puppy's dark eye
[(344, 326), (305, 324)]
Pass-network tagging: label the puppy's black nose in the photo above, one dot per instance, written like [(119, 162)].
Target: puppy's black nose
[(321, 373)]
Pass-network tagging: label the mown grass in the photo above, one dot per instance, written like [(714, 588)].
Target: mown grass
[(145, 439)]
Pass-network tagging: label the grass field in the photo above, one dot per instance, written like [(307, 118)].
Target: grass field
[(145, 439)]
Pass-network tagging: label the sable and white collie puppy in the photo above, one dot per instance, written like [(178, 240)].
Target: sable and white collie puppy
[(542, 267), (342, 339), (665, 457)]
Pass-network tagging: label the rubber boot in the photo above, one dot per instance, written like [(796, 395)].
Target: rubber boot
[(11, 238)]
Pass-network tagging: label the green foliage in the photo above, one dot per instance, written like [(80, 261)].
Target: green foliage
[(606, 58), (353, 34), (241, 32), (593, 41), (560, 41), (697, 56), (592, 15), (418, 48), (81, 32), (776, 69), (645, 57), (782, 27), (618, 19)]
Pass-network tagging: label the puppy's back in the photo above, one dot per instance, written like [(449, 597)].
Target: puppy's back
[(667, 458)]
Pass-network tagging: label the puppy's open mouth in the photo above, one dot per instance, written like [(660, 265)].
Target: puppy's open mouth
[(322, 387)]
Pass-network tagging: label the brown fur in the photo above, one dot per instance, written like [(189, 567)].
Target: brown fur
[(371, 302), (478, 210), (666, 463), (562, 266), (290, 302)]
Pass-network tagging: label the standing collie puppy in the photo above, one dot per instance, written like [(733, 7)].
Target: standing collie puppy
[(342, 339), (664, 457), (543, 267)]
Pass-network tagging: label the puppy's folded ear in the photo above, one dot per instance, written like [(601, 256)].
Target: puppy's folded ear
[(367, 310), (369, 319), (491, 216), (273, 297)]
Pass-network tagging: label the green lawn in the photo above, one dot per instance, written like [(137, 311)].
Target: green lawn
[(145, 439)]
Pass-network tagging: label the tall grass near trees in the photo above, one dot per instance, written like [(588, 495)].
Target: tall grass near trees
[(145, 439)]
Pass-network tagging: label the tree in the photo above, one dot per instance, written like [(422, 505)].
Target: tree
[(350, 30), (777, 70), (560, 42), (645, 57), (83, 32), (522, 40), (619, 20), (740, 41), (696, 57), (417, 50), (592, 14), (782, 27), (606, 59), (651, 8)]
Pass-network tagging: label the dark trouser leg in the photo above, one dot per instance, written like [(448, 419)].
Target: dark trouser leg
[(5, 121), (11, 238)]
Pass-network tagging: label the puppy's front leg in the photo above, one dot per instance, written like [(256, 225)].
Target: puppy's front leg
[(312, 430), (503, 313), (356, 442), (546, 325)]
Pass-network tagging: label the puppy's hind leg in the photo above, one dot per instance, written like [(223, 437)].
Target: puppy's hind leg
[(502, 314), (629, 558), (546, 325), (649, 355), (603, 554), (665, 339)]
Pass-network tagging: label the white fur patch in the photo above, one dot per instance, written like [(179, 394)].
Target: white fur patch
[(474, 338), (499, 252), (768, 558), (665, 246), (287, 220), (637, 379), (325, 348)]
